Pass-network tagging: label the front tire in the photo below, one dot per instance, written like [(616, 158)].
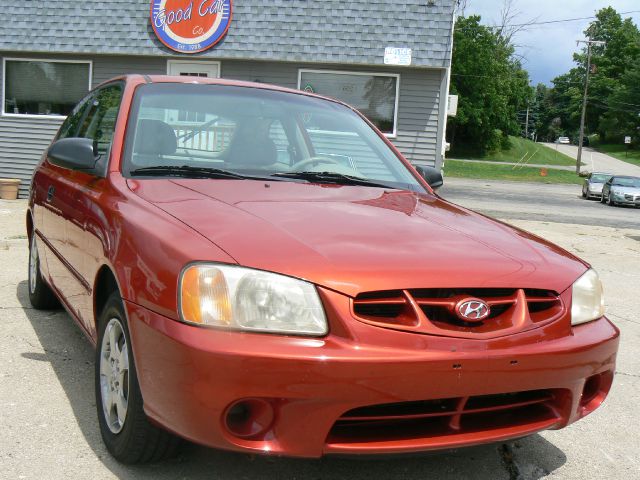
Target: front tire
[(126, 431), (40, 294), (610, 201)]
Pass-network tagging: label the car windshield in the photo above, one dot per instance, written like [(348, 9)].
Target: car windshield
[(600, 178), (627, 182), (254, 132)]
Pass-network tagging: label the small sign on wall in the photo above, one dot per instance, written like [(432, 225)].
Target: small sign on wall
[(397, 56), (452, 105)]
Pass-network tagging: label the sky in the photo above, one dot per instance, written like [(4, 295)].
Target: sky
[(548, 49)]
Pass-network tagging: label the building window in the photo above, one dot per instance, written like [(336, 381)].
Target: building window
[(44, 87), (375, 95)]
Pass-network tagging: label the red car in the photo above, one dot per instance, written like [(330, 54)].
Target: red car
[(261, 270)]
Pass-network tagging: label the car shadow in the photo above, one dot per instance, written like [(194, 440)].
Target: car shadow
[(71, 357)]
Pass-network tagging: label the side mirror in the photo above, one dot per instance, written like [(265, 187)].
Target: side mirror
[(74, 153), (431, 175)]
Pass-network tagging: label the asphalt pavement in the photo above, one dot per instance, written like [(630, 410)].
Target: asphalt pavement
[(49, 426), (558, 203)]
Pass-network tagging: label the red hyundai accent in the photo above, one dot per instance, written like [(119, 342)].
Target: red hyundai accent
[(261, 270)]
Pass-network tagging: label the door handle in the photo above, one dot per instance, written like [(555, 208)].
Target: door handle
[(50, 193)]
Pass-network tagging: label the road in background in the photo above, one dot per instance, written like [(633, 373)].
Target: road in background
[(596, 161), (558, 203)]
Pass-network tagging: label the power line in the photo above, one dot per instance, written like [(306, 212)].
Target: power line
[(547, 22), (625, 103), (550, 22), (470, 75), (601, 104)]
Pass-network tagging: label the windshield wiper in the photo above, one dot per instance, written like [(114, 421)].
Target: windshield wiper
[(331, 177), (186, 171)]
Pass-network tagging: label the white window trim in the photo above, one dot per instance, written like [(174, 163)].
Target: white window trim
[(375, 74), (205, 62), (21, 59)]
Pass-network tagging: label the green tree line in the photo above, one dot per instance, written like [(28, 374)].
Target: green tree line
[(613, 105), (494, 90)]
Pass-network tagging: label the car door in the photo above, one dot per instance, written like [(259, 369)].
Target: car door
[(606, 188), (84, 247), (53, 205), (585, 186)]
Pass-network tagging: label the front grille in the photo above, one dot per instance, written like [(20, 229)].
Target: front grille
[(435, 419), (432, 311)]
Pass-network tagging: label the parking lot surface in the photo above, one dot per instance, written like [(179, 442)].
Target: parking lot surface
[(49, 427)]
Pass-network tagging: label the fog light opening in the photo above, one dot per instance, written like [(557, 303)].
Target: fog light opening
[(591, 389), (595, 390), (249, 418)]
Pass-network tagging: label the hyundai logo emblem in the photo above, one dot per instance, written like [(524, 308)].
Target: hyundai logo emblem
[(472, 310)]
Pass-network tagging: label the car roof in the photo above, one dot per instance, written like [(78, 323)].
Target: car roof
[(626, 176), (218, 81)]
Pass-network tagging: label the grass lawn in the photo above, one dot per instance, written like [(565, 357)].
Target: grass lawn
[(620, 152), (536, 154), (489, 171)]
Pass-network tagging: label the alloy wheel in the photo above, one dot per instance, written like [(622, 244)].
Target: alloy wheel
[(114, 375), (33, 264)]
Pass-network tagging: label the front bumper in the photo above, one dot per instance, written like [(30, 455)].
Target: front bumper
[(623, 200), (594, 192), (190, 376)]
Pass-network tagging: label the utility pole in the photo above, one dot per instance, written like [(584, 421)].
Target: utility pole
[(526, 128), (584, 100)]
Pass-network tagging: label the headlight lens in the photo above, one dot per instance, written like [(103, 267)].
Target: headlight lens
[(587, 299), (241, 298)]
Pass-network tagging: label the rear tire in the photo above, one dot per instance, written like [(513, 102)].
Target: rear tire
[(126, 431), (40, 294)]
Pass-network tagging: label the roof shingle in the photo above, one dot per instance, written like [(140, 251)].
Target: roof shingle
[(336, 31)]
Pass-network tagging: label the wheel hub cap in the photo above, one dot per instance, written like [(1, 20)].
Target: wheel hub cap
[(33, 264), (114, 375)]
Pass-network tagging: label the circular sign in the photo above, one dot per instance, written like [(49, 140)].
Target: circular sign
[(190, 26)]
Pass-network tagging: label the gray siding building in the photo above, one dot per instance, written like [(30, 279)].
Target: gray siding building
[(53, 52)]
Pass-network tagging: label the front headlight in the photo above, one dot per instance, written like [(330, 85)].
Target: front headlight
[(241, 298), (587, 299)]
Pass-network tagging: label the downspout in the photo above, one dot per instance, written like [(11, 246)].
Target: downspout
[(445, 90)]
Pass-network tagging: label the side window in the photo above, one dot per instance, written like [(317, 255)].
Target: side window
[(100, 122), (70, 126)]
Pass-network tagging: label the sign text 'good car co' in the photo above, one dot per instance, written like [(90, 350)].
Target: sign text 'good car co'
[(190, 26)]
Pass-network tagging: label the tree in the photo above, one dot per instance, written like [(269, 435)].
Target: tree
[(623, 116), (610, 63), (491, 84)]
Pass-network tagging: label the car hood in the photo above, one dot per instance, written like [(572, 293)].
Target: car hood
[(623, 190), (354, 239)]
